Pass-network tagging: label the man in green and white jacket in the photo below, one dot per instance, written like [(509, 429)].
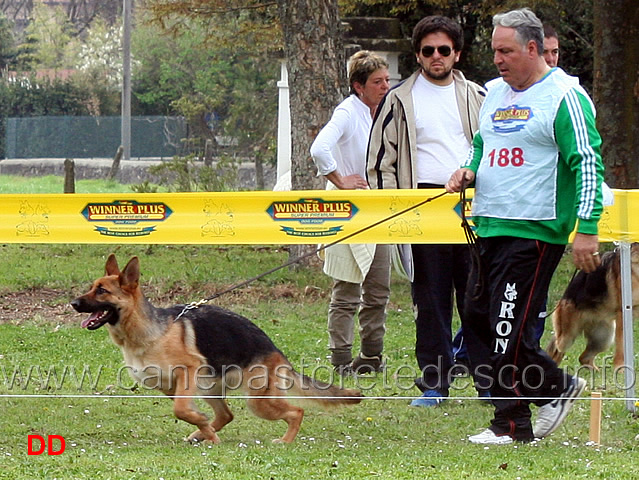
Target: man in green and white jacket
[(537, 169)]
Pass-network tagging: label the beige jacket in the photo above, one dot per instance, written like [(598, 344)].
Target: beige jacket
[(349, 263)]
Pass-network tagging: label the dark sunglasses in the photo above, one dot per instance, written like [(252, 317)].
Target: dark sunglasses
[(444, 50)]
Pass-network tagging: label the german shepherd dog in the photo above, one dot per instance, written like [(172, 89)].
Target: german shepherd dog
[(592, 304), (203, 352)]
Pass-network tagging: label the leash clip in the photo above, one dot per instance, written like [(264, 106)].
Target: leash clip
[(191, 306)]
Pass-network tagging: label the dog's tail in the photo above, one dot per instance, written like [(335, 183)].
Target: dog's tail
[(326, 394)]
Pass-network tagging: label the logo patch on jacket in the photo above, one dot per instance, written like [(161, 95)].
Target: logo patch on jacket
[(511, 119)]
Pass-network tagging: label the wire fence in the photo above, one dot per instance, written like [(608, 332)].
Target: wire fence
[(92, 137), (299, 397)]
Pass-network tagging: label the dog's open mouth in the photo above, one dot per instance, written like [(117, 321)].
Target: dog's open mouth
[(97, 319)]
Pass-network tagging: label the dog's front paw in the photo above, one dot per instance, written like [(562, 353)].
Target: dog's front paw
[(195, 437)]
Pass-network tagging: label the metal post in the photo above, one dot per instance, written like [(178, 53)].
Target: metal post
[(126, 81), (626, 311)]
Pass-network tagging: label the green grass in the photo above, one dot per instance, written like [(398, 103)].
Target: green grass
[(55, 184), (175, 269), (138, 437), (115, 431)]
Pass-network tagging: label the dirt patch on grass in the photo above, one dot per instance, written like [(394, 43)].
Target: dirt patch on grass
[(52, 306), (42, 304)]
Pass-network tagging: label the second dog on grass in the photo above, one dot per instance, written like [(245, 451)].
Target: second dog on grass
[(207, 351), (591, 305)]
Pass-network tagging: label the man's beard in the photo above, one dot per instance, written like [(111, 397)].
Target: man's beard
[(437, 76)]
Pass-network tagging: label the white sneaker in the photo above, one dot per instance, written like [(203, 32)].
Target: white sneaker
[(488, 437), (550, 416)]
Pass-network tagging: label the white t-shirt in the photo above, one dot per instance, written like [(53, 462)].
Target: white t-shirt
[(441, 143), (341, 145)]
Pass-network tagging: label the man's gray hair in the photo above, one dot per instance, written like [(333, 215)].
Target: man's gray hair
[(526, 24)]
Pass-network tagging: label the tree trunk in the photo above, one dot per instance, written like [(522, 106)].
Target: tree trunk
[(316, 66), (616, 88)]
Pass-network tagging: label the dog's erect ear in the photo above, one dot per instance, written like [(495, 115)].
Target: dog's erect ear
[(111, 267), (130, 276)]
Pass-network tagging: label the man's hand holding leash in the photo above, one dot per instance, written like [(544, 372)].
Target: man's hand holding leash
[(585, 252), (459, 179)]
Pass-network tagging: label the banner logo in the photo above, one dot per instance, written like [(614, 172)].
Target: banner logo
[(34, 219), (312, 213), (125, 215)]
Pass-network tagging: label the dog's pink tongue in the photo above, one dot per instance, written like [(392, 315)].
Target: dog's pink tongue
[(93, 316)]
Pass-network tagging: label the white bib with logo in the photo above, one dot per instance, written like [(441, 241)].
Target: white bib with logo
[(517, 176)]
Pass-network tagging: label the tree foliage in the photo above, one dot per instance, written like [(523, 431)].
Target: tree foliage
[(81, 13), (48, 40), (252, 24), (182, 65), (225, 89), (99, 56), (7, 42)]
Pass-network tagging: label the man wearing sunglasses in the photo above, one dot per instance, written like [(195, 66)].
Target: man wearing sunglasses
[(421, 132)]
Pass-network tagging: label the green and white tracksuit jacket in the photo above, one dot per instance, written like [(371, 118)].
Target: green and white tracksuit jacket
[(537, 161)]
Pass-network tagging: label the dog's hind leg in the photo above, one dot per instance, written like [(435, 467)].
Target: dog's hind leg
[(267, 399), (619, 359), (553, 351), (566, 321), (599, 336)]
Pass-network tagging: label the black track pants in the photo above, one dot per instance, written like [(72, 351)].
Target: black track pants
[(512, 281)]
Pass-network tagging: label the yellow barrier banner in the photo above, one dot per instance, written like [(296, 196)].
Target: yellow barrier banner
[(259, 217)]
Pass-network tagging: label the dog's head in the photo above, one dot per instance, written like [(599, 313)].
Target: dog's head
[(109, 295)]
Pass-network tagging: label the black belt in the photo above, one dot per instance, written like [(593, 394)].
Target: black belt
[(429, 185)]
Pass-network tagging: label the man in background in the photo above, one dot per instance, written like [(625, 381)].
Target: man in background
[(421, 133), (551, 46)]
